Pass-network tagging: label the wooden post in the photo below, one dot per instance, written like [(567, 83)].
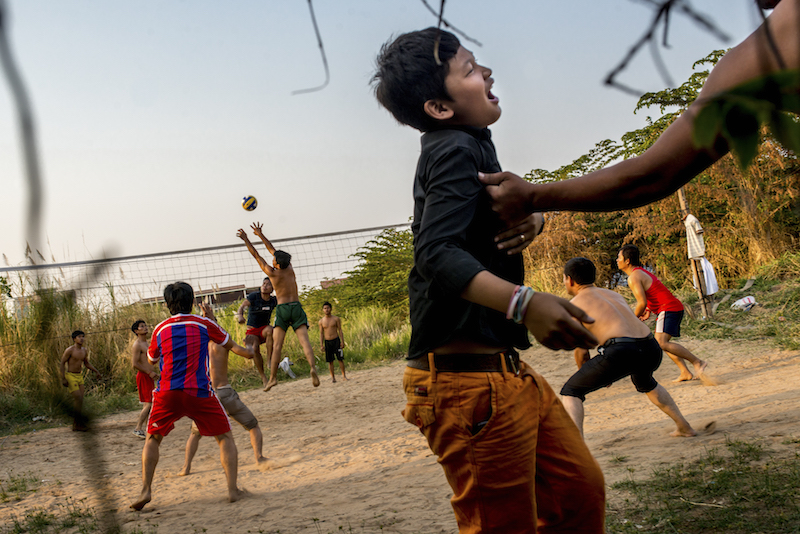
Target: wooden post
[(695, 274)]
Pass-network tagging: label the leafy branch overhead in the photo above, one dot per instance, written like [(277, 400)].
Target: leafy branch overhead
[(739, 114)]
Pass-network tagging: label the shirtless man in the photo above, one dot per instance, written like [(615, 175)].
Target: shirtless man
[(72, 362), (331, 339), (627, 348), (289, 312), (260, 304), (145, 374), (653, 298), (218, 367)]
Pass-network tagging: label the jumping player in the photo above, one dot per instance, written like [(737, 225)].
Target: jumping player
[(331, 339), (289, 312), (145, 374), (259, 305)]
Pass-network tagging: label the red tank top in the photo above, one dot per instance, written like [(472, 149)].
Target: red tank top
[(659, 297)]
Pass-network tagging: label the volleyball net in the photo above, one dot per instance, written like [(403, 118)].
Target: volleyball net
[(221, 274)]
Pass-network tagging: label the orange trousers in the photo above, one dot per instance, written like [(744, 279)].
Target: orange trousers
[(515, 460)]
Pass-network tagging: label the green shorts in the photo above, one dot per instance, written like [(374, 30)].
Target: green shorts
[(290, 314)]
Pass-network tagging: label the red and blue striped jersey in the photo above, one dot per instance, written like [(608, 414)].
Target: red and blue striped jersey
[(180, 345)]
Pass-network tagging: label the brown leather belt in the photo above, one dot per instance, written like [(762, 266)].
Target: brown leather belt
[(469, 363)]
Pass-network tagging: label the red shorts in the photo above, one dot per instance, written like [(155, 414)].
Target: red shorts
[(145, 385), (258, 331), (169, 406)]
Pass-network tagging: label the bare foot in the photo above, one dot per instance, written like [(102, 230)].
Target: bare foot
[(699, 368), (144, 498), (683, 433), (314, 378), (235, 496), (344, 377), (185, 471), (262, 459), (333, 379), (271, 384), (683, 378)]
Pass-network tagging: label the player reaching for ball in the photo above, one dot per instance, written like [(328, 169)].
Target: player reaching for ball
[(289, 312)]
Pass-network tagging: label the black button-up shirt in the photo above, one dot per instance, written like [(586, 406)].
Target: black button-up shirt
[(454, 229)]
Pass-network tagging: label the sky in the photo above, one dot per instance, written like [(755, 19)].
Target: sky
[(155, 118)]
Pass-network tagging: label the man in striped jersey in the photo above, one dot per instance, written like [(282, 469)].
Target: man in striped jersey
[(180, 346)]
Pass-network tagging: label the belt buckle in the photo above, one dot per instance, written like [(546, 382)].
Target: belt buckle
[(511, 363)]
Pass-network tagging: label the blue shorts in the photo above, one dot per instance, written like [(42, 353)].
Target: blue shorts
[(669, 322)]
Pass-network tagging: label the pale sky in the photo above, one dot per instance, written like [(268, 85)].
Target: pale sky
[(155, 118)]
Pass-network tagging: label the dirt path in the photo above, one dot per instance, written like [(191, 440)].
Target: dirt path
[(350, 463)]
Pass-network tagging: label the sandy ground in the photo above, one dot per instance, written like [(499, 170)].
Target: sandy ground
[(348, 461)]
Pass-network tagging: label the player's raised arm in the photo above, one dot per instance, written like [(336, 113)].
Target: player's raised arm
[(266, 267), (257, 230)]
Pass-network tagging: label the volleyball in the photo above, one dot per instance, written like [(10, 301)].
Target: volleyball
[(249, 203)]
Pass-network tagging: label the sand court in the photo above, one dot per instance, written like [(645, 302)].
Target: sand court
[(342, 456)]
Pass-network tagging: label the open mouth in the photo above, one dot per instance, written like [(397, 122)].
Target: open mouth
[(492, 98)]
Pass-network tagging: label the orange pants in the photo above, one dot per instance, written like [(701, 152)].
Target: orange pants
[(526, 470)]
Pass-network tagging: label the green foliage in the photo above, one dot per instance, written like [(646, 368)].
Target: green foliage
[(69, 516), (750, 218), (380, 279), (738, 115), (34, 336), (734, 491)]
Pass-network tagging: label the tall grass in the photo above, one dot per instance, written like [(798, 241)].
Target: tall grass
[(33, 339)]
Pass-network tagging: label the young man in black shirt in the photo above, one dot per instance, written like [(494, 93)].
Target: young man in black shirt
[(504, 440)]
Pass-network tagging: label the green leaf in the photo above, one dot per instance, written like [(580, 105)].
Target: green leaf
[(740, 127), (786, 130)]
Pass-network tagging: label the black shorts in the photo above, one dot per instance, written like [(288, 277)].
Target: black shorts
[(616, 359), (333, 350)]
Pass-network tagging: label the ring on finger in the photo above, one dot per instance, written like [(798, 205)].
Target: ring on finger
[(521, 238)]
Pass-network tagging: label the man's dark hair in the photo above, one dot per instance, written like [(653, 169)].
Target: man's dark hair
[(135, 326), (179, 297), (77, 333), (282, 258), (631, 253), (581, 270), (407, 75), (326, 303)]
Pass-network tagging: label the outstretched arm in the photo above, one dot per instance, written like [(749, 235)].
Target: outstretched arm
[(257, 230), (237, 349), (266, 267), (673, 159)]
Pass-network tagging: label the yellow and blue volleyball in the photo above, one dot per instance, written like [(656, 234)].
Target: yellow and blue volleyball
[(249, 203)]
